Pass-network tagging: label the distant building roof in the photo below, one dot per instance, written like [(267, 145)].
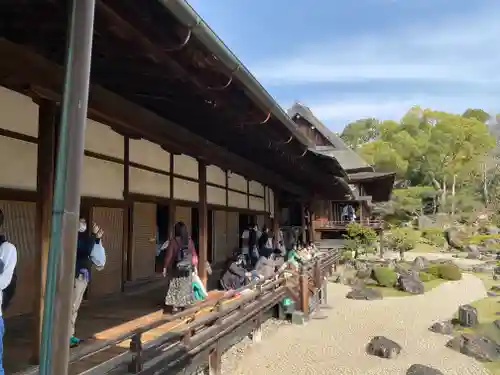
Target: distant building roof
[(347, 158)]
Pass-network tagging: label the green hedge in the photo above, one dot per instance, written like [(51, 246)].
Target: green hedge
[(450, 272), (445, 271), (385, 276), (433, 270), (434, 236), (425, 277)]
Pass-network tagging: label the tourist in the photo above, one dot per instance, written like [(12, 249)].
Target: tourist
[(265, 267), (85, 246), (253, 250), (8, 261), (236, 276), (180, 263)]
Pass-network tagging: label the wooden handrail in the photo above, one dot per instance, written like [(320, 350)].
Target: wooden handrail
[(198, 332)]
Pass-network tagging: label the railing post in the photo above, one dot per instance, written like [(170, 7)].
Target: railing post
[(304, 291), (136, 365), (214, 362)]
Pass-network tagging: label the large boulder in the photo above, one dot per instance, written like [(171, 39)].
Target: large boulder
[(471, 248), (367, 294), (467, 316), (452, 236), (411, 284), (422, 370), (492, 230), (479, 347), (419, 263), (383, 347), (444, 328)]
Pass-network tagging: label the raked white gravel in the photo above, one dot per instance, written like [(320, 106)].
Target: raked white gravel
[(336, 345)]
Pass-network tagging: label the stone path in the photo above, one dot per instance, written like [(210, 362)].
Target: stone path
[(336, 345)]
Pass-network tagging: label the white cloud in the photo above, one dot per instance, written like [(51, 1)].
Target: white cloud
[(463, 49)]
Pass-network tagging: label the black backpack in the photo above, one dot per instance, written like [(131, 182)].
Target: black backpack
[(183, 261), (10, 291)]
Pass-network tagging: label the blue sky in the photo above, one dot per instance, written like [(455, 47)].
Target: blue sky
[(349, 59)]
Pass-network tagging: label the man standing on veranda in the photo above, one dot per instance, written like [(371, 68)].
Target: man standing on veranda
[(84, 248), (8, 261)]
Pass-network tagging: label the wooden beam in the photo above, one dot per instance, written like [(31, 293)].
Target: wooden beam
[(45, 79), (48, 118), (203, 222)]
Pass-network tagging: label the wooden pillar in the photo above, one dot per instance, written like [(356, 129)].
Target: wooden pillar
[(276, 222), (311, 226), (330, 210), (203, 222), (171, 206), (48, 118), (303, 223), (361, 213)]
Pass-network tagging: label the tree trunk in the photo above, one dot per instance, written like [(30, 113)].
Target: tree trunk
[(453, 194)]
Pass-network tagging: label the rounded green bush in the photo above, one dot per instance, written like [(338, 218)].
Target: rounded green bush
[(347, 255), (450, 272), (424, 276), (385, 276), (433, 269)]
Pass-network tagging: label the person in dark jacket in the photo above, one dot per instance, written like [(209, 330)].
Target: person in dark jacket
[(236, 276), (265, 266), (85, 244)]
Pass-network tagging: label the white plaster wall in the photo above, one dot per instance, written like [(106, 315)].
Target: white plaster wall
[(237, 200), (185, 165), (257, 204), (149, 183), (18, 164), (101, 139), (216, 175), (216, 195), (149, 154), (102, 179), (237, 182), (256, 188), (18, 112), (186, 190)]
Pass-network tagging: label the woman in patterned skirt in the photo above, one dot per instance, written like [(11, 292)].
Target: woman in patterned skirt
[(180, 281)]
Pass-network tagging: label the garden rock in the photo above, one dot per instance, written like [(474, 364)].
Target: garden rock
[(383, 347), (367, 294), (492, 230), (472, 248), (497, 323), (491, 294), (445, 328), (452, 238), (467, 316), (473, 255), (480, 347), (410, 284), (419, 263), (358, 265), (422, 370)]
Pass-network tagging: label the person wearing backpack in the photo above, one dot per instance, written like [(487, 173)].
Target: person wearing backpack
[(180, 263), (8, 261), (84, 260)]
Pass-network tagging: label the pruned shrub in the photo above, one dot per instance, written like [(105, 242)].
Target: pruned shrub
[(347, 255), (425, 277), (433, 270), (434, 236), (385, 276), (450, 271), (403, 239)]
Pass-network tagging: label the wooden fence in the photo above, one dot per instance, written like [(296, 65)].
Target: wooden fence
[(208, 328)]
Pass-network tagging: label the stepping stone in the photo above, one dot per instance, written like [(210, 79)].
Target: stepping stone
[(318, 315), (325, 307), (492, 294)]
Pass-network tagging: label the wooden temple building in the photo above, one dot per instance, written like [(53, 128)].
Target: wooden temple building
[(177, 129), (366, 185)]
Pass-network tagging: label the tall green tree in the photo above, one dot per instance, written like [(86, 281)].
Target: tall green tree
[(359, 132)]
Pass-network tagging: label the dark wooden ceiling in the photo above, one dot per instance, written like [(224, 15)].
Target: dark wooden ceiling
[(143, 54)]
